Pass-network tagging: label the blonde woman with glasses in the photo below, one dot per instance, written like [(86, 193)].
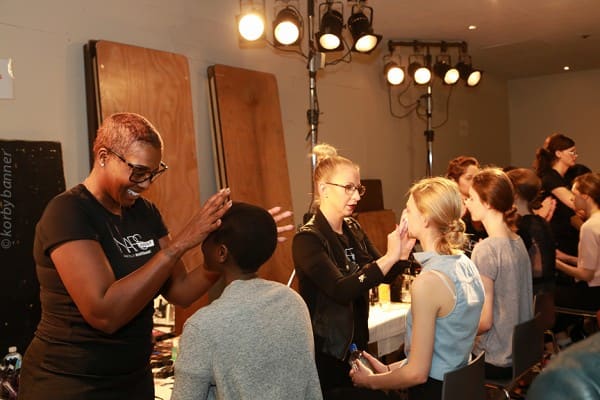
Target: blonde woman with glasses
[(337, 265)]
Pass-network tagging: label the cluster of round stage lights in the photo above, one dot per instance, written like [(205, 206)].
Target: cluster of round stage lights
[(287, 29), (422, 75)]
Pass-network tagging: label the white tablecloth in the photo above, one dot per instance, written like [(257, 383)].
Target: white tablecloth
[(387, 326)]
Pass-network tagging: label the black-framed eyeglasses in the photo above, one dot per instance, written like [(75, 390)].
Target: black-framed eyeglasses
[(351, 188), (140, 173)]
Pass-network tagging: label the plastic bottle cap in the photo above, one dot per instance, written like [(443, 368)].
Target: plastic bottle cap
[(353, 347), (12, 349)]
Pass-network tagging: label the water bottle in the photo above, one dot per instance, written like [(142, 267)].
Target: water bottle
[(9, 374), (355, 355), (13, 358), (406, 284), (373, 295)]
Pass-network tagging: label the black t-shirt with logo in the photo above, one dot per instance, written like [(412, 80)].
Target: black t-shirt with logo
[(128, 241)]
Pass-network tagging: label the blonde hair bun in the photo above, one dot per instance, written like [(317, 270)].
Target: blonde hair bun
[(323, 151)]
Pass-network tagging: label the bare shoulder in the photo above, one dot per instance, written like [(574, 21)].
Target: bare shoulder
[(430, 287), (429, 280)]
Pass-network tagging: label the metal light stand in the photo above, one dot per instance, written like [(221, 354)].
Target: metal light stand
[(429, 135), (443, 45), (313, 112)]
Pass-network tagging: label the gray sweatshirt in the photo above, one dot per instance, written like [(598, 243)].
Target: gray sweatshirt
[(254, 342)]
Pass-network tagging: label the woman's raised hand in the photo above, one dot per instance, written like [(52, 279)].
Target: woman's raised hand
[(278, 215), (399, 244), (406, 242), (206, 220)]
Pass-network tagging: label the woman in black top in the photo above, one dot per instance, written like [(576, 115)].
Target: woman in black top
[(336, 265), (102, 254), (551, 164)]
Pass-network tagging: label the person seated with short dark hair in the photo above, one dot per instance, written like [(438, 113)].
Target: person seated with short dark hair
[(255, 341)]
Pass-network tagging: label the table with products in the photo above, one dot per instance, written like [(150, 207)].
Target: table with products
[(387, 326)]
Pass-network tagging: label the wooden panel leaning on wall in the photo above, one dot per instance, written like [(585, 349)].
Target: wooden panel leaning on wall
[(249, 147), (155, 84), (377, 225)]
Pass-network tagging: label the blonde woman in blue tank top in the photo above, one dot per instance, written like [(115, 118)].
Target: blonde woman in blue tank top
[(447, 296)]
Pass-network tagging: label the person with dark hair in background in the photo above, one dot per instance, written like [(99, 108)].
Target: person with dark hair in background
[(461, 170), (533, 229), (552, 163), (504, 267), (585, 268), (447, 296), (336, 266), (102, 255), (255, 341), (572, 173)]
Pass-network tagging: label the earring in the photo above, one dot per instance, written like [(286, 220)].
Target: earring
[(102, 164)]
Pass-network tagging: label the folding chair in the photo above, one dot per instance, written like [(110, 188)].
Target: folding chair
[(466, 383), (543, 304), (527, 352)]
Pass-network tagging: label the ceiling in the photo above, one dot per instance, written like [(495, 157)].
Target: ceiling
[(514, 38)]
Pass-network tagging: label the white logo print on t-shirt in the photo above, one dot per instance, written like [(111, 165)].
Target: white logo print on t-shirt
[(133, 245)]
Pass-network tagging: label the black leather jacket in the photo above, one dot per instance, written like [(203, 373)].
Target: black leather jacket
[(335, 288)]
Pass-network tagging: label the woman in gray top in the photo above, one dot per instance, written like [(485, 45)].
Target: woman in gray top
[(505, 270)]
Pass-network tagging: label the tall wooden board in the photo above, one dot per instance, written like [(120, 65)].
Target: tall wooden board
[(249, 145), (378, 224)]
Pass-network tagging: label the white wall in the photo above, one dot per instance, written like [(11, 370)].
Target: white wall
[(567, 103), (45, 40)]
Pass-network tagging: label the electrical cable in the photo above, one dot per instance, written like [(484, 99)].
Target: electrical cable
[(447, 109), (342, 58), (289, 50), (392, 110)]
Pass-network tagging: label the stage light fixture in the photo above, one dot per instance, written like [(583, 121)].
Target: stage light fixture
[(394, 73), (329, 37), (287, 30), (474, 78), (444, 70), (287, 27), (470, 75), (251, 21), (361, 28), (251, 26), (422, 57), (418, 70)]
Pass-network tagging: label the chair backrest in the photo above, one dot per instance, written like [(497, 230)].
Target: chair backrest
[(528, 345), (544, 305), (466, 383)]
